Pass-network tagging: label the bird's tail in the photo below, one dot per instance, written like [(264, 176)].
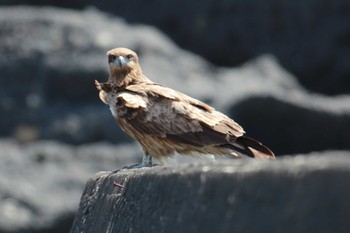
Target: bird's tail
[(252, 148)]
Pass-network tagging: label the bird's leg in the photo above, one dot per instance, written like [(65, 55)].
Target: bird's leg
[(146, 162)]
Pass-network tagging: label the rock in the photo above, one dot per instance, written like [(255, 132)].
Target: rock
[(292, 194), (290, 128), (273, 107), (41, 182), (51, 94), (50, 60), (309, 39)]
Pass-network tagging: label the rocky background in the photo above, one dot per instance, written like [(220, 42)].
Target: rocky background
[(279, 69)]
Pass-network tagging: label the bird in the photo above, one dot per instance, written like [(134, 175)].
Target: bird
[(165, 121)]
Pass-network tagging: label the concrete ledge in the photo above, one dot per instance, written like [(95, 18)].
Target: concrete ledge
[(299, 194)]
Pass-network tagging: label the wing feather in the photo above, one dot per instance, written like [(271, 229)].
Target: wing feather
[(131, 100), (173, 115), (165, 92)]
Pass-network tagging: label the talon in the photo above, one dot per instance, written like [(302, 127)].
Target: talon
[(136, 166), (146, 162)]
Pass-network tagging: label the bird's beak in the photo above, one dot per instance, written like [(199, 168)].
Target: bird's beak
[(120, 61)]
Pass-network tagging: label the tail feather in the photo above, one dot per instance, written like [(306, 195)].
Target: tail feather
[(252, 148)]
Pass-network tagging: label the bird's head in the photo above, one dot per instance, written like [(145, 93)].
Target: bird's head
[(122, 60)]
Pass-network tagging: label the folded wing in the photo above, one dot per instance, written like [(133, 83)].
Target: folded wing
[(173, 115)]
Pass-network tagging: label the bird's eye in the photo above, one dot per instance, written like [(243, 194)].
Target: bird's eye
[(129, 56), (111, 58)]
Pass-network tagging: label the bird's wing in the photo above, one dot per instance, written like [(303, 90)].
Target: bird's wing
[(154, 89), (163, 112)]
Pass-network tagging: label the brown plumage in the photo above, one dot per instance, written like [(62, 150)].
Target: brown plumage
[(165, 121)]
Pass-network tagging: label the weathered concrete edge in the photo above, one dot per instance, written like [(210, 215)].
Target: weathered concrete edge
[(282, 191)]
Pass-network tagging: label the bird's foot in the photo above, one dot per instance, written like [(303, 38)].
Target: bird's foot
[(136, 166), (146, 162)]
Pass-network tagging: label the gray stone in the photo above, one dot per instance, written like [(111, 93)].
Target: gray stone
[(49, 60), (310, 39), (52, 56), (291, 194), (41, 182)]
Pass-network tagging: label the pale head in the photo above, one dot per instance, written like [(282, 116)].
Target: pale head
[(122, 60)]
